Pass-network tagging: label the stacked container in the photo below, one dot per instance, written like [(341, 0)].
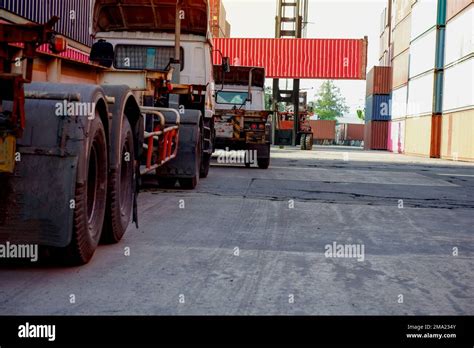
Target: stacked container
[(457, 128), (425, 85), (220, 27), (400, 43), (385, 35), (377, 108)]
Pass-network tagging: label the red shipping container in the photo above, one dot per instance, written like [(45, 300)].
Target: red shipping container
[(323, 129), (379, 80), (298, 58), (353, 132), (376, 135)]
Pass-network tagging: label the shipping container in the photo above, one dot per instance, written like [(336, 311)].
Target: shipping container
[(379, 80), (323, 129), (396, 136), (460, 36), (459, 86), (349, 132), (399, 102), (421, 94), (456, 6), (400, 69), (376, 135), (427, 14), (400, 9), (378, 108), (298, 58), (423, 136), (385, 60), (423, 53), (384, 43), (74, 15), (457, 140), (401, 36)]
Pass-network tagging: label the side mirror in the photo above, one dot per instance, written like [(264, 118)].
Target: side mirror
[(226, 64), (102, 53)]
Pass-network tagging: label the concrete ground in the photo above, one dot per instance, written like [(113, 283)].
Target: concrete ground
[(251, 241)]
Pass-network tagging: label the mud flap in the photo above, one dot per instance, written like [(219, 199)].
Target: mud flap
[(183, 166), (36, 202)]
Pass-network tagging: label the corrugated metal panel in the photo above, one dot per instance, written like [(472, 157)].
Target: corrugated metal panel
[(418, 136), (379, 80), (377, 108), (401, 36), (384, 44), (427, 14), (420, 95), (400, 9), (399, 102), (323, 129), (400, 67), (457, 140), (298, 58), (396, 136), (376, 135), (74, 15), (423, 53), (460, 36), (456, 6), (459, 86), (354, 132)]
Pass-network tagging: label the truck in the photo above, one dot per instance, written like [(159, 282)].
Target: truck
[(241, 121), (72, 155)]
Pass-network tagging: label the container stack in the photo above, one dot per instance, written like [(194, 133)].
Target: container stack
[(385, 35), (377, 108), (220, 27), (457, 128), (425, 85), (400, 43)]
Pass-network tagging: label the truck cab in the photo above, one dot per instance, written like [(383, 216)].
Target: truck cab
[(241, 121), (138, 41)]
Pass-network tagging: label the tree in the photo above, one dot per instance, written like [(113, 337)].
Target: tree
[(330, 104), (268, 98)]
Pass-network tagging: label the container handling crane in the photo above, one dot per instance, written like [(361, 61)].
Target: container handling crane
[(70, 180)]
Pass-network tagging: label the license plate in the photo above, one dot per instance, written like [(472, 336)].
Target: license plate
[(7, 154)]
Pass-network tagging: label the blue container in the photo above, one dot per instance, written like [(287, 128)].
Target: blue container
[(440, 48), (74, 15), (378, 107), (438, 92)]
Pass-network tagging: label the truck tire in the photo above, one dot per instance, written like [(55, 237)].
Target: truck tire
[(263, 163), (120, 189), (205, 165), (90, 200), (303, 141), (191, 183), (309, 142)]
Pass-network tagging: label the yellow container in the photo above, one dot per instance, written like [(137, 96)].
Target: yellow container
[(418, 136), (457, 136), (7, 154)]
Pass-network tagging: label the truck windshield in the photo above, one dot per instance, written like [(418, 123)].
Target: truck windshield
[(134, 57), (228, 97)]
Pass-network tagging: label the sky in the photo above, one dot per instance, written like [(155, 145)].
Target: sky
[(348, 19)]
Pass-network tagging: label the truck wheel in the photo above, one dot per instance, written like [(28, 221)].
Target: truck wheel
[(191, 183), (90, 200), (263, 163), (205, 165), (309, 142), (121, 190), (303, 141)]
